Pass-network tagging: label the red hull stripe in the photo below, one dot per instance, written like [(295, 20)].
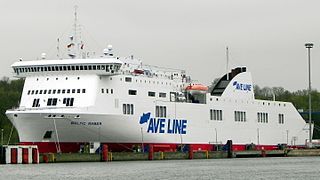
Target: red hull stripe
[(66, 147)]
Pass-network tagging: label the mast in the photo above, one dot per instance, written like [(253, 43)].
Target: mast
[(75, 45), (227, 65), (75, 31)]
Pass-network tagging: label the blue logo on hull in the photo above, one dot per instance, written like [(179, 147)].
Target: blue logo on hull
[(144, 118), (162, 125)]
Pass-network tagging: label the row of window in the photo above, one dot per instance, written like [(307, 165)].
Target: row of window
[(262, 117), (108, 68), (36, 103), (215, 115), (253, 102), (68, 101), (129, 79), (106, 91), (240, 116), (161, 111), (128, 109), (56, 91), (281, 118), (150, 93), (52, 101), (149, 81)]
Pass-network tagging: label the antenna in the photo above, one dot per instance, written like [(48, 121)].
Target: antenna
[(227, 65), (58, 48), (76, 45), (75, 29)]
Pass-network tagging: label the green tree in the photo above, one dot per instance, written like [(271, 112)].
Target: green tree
[(10, 94)]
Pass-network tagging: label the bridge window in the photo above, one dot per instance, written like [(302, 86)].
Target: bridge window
[(83, 90)]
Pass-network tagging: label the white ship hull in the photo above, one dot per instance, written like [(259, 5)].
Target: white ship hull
[(125, 129)]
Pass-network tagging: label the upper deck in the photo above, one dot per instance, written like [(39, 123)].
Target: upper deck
[(103, 66)]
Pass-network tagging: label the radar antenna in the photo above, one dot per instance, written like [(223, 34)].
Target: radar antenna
[(76, 45)]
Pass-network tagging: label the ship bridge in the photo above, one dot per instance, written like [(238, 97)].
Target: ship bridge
[(104, 66), (222, 84)]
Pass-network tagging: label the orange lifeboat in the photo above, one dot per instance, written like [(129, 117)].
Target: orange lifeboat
[(197, 88)]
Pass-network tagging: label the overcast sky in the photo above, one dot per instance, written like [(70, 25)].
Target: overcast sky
[(266, 36)]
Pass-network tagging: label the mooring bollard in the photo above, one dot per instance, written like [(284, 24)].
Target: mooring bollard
[(150, 157), (104, 155), (190, 151)]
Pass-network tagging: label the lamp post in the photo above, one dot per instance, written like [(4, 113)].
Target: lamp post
[(2, 137), (309, 46)]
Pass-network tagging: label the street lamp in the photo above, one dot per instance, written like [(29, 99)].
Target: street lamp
[(2, 137), (309, 46)]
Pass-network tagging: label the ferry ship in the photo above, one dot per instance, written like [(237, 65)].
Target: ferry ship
[(125, 103)]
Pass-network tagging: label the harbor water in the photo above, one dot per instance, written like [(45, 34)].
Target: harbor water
[(240, 168)]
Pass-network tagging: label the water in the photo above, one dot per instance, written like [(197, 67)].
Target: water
[(249, 168)]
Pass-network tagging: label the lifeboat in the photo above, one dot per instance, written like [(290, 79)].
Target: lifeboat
[(197, 89), (138, 71)]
